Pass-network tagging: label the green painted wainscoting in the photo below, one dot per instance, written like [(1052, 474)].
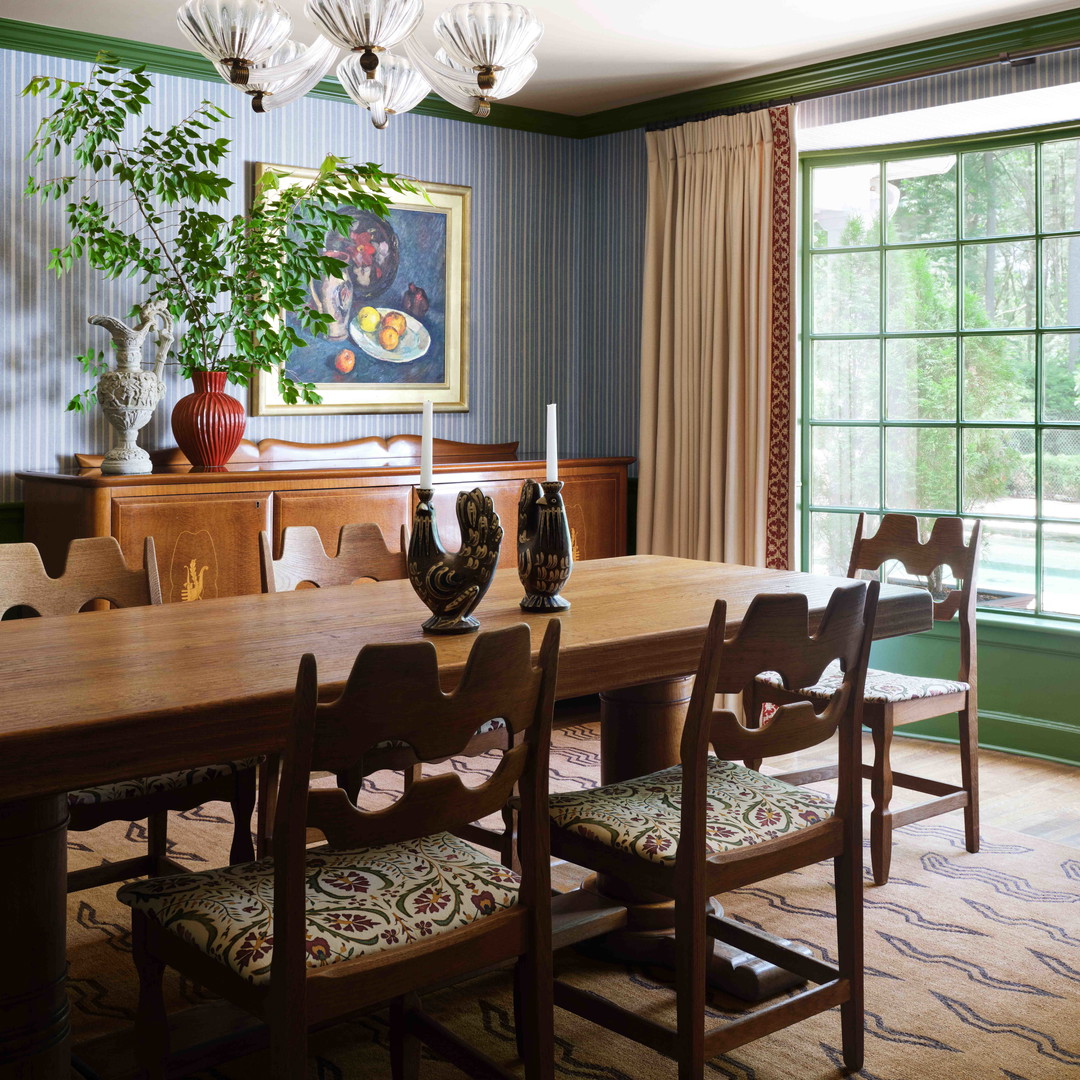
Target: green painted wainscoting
[(11, 523), (1028, 682)]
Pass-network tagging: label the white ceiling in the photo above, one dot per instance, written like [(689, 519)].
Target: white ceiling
[(598, 54)]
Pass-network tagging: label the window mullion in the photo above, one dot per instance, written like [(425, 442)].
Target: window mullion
[(883, 228), (990, 364)]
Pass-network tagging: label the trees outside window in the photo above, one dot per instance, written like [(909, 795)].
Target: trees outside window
[(941, 353)]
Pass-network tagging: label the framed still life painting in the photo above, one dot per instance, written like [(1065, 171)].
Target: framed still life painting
[(399, 329)]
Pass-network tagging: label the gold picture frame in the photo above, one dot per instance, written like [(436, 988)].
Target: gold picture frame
[(416, 265)]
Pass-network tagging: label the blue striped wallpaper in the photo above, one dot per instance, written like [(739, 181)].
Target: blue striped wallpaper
[(557, 246)]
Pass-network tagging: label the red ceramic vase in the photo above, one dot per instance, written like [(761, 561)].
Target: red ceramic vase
[(208, 424)]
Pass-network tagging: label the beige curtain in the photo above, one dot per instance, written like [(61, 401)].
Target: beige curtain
[(717, 375)]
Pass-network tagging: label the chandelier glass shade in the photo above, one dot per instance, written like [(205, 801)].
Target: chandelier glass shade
[(398, 88), (258, 81), (488, 36), (368, 26), (506, 82), (237, 33), (486, 53)]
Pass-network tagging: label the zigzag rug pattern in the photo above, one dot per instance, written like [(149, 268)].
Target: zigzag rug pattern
[(973, 963)]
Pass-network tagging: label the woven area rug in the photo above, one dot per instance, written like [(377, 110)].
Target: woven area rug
[(973, 963)]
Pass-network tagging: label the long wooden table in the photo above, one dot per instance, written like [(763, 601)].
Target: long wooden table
[(102, 696)]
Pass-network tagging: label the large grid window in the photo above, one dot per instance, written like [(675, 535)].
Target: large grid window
[(941, 363)]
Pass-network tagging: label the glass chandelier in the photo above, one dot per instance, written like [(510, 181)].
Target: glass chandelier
[(486, 51)]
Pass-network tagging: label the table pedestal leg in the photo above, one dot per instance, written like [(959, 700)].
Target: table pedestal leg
[(640, 729), (33, 963)]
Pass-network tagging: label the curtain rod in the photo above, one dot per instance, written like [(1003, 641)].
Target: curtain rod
[(1010, 59)]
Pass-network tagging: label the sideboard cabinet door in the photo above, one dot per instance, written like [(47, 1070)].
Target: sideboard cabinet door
[(388, 506), (597, 521), (504, 495), (592, 510), (207, 545)]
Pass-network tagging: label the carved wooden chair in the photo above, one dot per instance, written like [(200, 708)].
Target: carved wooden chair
[(95, 570), (892, 700), (363, 555), (395, 902), (709, 825)]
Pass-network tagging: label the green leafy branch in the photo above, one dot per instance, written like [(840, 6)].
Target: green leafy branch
[(226, 279)]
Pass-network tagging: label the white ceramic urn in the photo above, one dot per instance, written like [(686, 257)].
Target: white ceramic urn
[(128, 394)]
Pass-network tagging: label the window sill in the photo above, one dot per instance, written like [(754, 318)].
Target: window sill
[(1025, 632)]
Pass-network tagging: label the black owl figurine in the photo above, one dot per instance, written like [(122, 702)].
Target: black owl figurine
[(545, 554)]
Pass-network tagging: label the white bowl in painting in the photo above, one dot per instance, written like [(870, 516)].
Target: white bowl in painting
[(411, 345)]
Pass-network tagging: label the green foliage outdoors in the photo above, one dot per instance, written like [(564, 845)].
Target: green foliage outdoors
[(146, 206), (997, 291)]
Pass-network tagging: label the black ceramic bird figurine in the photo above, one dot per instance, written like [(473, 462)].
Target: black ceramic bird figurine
[(451, 584), (545, 552)]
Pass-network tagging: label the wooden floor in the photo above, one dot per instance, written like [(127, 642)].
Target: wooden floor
[(1021, 794)]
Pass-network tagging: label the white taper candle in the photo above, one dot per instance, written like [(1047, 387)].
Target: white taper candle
[(552, 443), (426, 448)]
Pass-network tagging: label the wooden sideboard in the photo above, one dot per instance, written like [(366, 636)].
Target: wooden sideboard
[(206, 524)]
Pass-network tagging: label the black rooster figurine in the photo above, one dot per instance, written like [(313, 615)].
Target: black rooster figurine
[(451, 584), (545, 553)]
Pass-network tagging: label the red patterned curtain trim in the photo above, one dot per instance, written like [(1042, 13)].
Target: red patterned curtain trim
[(779, 507)]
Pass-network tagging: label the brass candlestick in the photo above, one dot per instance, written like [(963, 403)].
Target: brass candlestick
[(451, 584), (545, 554)]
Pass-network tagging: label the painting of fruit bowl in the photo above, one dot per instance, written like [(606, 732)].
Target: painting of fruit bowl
[(397, 310), (390, 335), (373, 251)]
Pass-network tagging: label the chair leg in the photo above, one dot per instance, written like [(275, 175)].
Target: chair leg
[(404, 1046), (151, 1022), (534, 1013), (849, 941), (752, 719), (243, 806), (881, 788), (969, 773), (157, 837), (288, 1050), (269, 772), (519, 1019), (508, 849), (691, 942)]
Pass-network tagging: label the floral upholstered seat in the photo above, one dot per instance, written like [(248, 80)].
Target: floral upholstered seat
[(151, 785), (357, 902), (882, 687), (642, 816)]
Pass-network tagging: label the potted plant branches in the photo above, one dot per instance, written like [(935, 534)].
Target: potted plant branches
[(155, 205)]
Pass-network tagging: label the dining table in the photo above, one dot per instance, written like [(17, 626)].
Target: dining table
[(108, 695)]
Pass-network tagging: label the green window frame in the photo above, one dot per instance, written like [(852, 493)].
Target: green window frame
[(884, 435)]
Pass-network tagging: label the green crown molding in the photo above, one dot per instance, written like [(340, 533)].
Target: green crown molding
[(967, 49), (73, 45)]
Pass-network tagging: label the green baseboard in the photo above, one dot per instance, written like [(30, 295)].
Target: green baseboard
[(11, 523), (1026, 735)]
